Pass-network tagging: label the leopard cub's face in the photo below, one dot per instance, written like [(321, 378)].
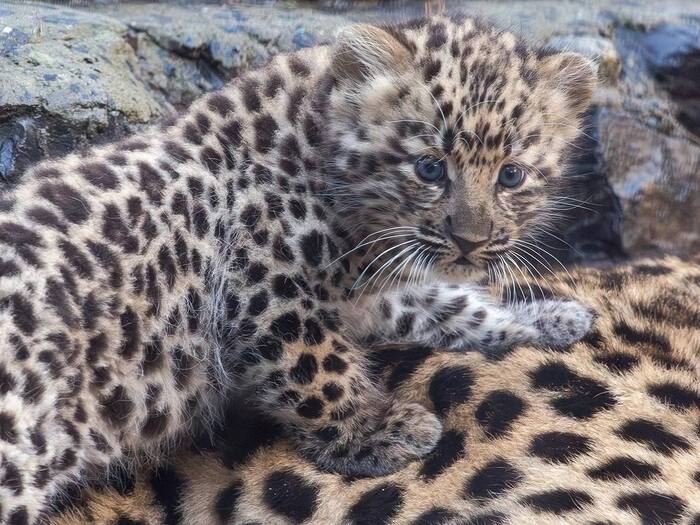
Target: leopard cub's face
[(449, 139)]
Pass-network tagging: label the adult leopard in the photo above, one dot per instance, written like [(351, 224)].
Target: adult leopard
[(604, 431)]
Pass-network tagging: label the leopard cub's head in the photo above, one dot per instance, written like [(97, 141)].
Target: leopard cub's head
[(448, 139)]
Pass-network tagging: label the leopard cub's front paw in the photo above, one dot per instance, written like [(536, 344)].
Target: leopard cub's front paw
[(562, 323)]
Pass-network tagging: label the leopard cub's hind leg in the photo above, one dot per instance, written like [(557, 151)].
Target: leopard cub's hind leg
[(337, 415)]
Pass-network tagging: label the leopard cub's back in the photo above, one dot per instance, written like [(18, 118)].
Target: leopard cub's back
[(108, 321)]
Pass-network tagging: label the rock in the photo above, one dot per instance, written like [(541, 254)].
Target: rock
[(185, 51), (71, 77), (67, 80), (673, 57), (657, 180)]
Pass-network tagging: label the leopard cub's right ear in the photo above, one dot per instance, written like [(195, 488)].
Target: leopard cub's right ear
[(364, 51)]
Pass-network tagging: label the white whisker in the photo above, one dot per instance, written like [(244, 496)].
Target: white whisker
[(517, 267), (408, 230), (368, 266), (379, 272)]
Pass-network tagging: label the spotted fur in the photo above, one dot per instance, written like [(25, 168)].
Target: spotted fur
[(604, 431), (248, 249)]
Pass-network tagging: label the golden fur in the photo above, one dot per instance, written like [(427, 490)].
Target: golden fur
[(641, 363)]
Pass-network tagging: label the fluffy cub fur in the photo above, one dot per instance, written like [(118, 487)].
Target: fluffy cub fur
[(265, 239)]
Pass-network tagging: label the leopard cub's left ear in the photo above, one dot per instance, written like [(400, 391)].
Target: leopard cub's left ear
[(574, 75)]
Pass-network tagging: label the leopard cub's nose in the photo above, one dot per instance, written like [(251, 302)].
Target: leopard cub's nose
[(466, 246)]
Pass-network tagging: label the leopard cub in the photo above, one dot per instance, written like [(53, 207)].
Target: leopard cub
[(263, 242)]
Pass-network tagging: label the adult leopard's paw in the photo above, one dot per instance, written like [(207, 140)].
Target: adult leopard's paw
[(562, 323)]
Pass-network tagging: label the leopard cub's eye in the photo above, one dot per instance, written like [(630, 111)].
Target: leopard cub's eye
[(430, 169), (511, 176)]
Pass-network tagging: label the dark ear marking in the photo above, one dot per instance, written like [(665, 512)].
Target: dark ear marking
[(364, 50)]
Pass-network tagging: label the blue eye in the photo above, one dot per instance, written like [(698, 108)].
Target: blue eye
[(511, 176), (430, 169)]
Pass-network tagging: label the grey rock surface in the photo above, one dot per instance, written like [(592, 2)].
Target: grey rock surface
[(74, 76), (66, 78), (657, 180)]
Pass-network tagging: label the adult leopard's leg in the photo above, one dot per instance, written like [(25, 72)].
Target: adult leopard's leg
[(337, 414)]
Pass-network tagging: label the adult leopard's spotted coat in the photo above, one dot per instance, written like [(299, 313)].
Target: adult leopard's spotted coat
[(606, 431)]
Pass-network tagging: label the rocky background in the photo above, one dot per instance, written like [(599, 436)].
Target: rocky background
[(71, 76)]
